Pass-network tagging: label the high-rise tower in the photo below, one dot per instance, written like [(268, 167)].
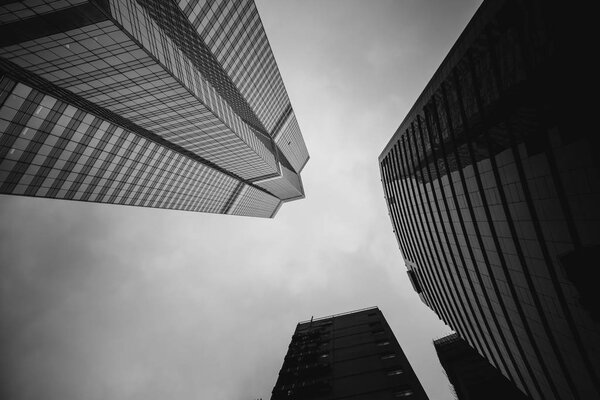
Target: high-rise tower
[(471, 375), (351, 355), (150, 103), (492, 187)]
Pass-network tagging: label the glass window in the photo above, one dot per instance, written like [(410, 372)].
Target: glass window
[(395, 372)]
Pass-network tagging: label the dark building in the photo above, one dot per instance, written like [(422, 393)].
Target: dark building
[(492, 183), (471, 375), (152, 103), (351, 355)]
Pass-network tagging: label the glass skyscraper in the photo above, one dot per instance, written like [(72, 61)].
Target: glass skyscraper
[(492, 186), (168, 104)]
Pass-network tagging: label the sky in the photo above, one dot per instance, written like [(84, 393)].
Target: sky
[(113, 302)]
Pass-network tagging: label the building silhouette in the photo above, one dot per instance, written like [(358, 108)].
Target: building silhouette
[(167, 104), (351, 355), (471, 375), (491, 183)]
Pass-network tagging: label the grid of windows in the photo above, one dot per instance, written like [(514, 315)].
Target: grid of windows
[(236, 37), (252, 201), (171, 19), (477, 185), (145, 62), (233, 32), (102, 64), (340, 357), (19, 11), (52, 149)]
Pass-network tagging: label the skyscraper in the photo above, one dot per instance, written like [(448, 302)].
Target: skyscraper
[(350, 355), (150, 103), (492, 187), (471, 375)]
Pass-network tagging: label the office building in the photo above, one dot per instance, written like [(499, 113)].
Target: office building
[(492, 187), (471, 375), (351, 355), (167, 104)]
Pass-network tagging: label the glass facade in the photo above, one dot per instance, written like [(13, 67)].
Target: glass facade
[(493, 199), (145, 65), (351, 355)]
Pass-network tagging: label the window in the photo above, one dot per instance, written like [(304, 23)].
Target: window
[(384, 343), (395, 372), (403, 393), (388, 356)]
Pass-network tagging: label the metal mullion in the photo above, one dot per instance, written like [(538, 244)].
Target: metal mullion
[(102, 168), (179, 184), (195, 190), (446, 296), (479, 339), (108, 162), (391, 208), (417, 239), (190, 184), (398, 187), (168, 179), (19, 121), (494, 235), (74, 158), (84, 173), (198, 202), (158, 185), (128, 172), (401, 234), (6, 87), (201, 178), (204, 194), (498, 359), (150, 174), (452, 278), (147, 195), (58, 150), (408, 226), (400, 213), (116, 186), (31, 151), (137, 161)]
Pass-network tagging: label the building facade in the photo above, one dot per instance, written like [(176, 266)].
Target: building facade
[(471, 375), (150, 103), (492, 186), (351, 355)]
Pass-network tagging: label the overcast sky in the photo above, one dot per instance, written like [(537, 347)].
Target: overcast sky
[(114, 302)]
